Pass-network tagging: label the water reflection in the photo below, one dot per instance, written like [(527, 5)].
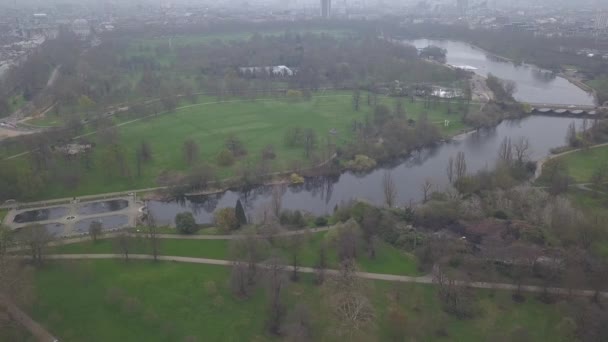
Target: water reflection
[(41, 215), (107, 223), (320, 195), (102, 207)]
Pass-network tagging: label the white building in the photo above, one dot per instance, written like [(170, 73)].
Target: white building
[(279, 70), (601, 21), (81, 28)]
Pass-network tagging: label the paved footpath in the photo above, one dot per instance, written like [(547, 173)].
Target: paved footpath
[(37, 330), (87, 238), (365, 275)]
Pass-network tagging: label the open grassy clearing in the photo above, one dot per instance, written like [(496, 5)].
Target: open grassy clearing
[(582, 164), (13, 331), (257, 123), (388, 259), (146, 46), (170, 301), (3, 213)]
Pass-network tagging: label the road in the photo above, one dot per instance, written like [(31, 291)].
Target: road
[(365, 275)]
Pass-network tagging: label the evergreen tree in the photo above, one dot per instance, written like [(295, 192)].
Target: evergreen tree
[(240, 213)]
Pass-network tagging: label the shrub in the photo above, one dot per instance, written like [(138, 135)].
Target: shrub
[(501, 215), (294, 95), (361, 163), (296, 179), (226, 219), (225, 158), (321, 221), (185, 223), (268, 153), (292, 218)]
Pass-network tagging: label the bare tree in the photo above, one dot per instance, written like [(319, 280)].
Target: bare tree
[(239, 280), (450, 170), (95, 230), (522, 150), (369, 226), (455, 298), (460, 165), (37, 239), (190, 150), (357, 99), (124, 244), (298, 326), (295, 245), (276, 201), (505, 151), (145, 151), (348, 240), (321, 265), (390, 189), (153, 237), (426, 190), (353, 309), (310, 141), (250, 249), (274, 273), (571, 135)]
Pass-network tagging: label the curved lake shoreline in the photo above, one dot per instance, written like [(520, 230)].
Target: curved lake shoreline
[(320, 195), (534, 85)]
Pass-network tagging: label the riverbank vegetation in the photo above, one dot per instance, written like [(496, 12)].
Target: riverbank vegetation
[(242, 139)]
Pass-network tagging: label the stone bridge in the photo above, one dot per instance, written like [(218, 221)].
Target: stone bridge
[(565, 110)]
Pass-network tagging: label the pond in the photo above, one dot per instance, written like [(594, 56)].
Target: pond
[(102, 207), (41, 215)]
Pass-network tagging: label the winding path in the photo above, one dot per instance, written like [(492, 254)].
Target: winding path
[(19, 316), (365, 275)]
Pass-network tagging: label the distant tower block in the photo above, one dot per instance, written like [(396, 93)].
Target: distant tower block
[(325, 8), (463, 7)]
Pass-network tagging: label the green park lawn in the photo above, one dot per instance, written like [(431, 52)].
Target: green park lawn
[(582, 164), (147, 46), (49, 120), (257, 123), (3, 213), (388, 259), (109, 300)]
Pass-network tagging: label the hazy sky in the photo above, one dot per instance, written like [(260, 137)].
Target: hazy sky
[(46, 3)]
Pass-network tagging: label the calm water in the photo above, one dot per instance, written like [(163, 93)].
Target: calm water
[(41, 215), (102, 207), (533, 85), (107, 223), (321, 195)]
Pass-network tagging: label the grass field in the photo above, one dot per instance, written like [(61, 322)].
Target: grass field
[(257, 123), (170, 301), (582, 164), (199, 39), (388, 259), (48, 120), (3, 213)]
